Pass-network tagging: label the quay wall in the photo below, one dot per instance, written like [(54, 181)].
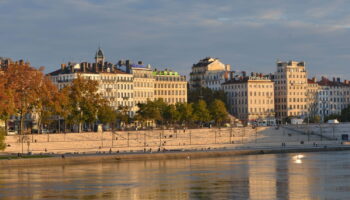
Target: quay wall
[(155, 140)]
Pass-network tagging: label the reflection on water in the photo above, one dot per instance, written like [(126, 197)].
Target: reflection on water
[(279, 176)]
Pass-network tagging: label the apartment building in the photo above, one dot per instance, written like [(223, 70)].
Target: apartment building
[(170, 86), (290, 90), (209, 72), (114, 84), (312, 97), (333, 96), (143, 80), (251, 98)]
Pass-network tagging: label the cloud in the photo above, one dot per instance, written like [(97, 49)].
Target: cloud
[(177, 33), (271, 15)]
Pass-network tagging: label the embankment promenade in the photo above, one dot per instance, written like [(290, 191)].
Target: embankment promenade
[(167, 144)]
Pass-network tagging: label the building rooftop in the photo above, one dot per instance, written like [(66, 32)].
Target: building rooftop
[(205, 61), (165, 73), (335, 82), (88, 68)]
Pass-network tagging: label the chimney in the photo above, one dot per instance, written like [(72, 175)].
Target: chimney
[(338, 79), (232, 74), (228, 67), (63, 67), (83, 66), (140, 62), (333, 79), (127, 63), (95, 67), (313, 79), (244, 73), (346, 82)]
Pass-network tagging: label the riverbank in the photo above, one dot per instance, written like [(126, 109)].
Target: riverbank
[(69, 159)]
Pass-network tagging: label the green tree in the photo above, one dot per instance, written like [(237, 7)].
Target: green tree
[(218, 111), (206, 94), (345, 114), (313, 119), (107, 115), (201, 112), (185, 111), (123, 115), (170, 114), (2, 138), (148, 112)]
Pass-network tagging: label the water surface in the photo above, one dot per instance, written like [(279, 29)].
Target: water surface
[(321, 175)]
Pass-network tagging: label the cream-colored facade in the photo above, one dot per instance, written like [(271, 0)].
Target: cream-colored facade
[(118, 89), (143, 84), (291, 90), (170, 86), (114, 85), (210, 73), (312, 96), (251, 99)]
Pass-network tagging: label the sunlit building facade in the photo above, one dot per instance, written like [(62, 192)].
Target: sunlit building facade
[(209, 73), (251, 98), (291, 90), (170, 86)]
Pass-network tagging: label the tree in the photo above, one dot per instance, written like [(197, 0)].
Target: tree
[(46, 104), (345, 114), (185, 111), (84, 101), (313, 119), (2, 138), (107, 115), (149, 111), (170, 114), (201, 112), (206, 94), (62, 106), (123, 115), (7, 107), (218, 111), (22, 81)]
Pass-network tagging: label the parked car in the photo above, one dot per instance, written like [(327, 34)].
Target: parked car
[(333, 121)]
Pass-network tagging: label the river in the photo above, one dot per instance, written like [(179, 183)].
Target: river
[(321, 175)]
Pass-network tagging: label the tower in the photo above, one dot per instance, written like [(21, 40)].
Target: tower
[(99, 57)]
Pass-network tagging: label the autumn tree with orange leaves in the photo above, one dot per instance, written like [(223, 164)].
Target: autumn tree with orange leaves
[(27, 91)]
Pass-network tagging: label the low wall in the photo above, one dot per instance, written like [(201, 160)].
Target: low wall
[(327, 131)]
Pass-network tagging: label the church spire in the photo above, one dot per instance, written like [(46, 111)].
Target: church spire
[(99, 57)]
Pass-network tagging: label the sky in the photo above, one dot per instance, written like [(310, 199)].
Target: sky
[(249, 35)]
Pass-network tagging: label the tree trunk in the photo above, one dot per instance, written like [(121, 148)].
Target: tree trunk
[(39, 125), (21, 124), (6, 126)]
